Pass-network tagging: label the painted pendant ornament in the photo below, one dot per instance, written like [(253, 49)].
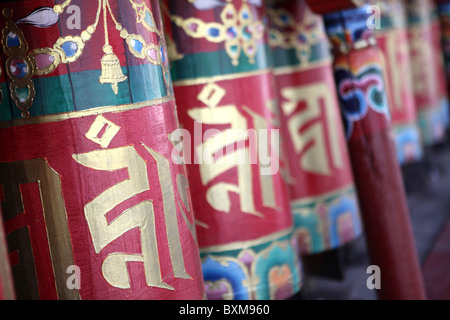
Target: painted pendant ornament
[(359, 77), (392, 39), (428, 70), (319, 174), (6, 283), (90, 190), (227, 108)]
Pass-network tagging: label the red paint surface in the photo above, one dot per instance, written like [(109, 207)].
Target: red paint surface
[(57, 142), (309, 183), (382, 198), (236, 225), (428, 61), (327, 6), (403, 109)]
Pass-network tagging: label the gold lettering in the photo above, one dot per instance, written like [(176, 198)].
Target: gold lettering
[(141, 216), (400, 73), (266, 181), (170, 215), (217, 195), (424, 77), (38, 171), (312, 141)]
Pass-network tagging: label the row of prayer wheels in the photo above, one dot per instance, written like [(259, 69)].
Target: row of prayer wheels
[(202, 148)]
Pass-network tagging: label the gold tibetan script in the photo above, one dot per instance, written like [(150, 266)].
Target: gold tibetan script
[(37, 171), (141, 216), (425, 79), (238, 158), (400, 73), (311, 142)]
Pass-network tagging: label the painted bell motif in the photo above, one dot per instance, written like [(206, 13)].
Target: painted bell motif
[(111, 70)]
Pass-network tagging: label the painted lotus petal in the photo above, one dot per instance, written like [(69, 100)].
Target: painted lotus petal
[(152, 54), (44, 60), (207, 4), (42, 17)]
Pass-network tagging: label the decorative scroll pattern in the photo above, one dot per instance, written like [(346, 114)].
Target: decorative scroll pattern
[(238, 30), (23, 64), (287, 33)]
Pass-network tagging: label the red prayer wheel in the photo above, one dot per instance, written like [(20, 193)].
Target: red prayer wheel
[(392, 39), (430, 87), (359, 76), (94, 207), (318, 169), (6, 284), (223, 83)]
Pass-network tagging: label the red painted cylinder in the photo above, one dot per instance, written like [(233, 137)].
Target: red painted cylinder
[(430, 88), (223, 84), (94, 206), (359, 77), (317, 164), (392, 39)]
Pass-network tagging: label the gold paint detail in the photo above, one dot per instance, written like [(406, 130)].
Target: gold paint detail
[(12, 175), (108, 135), (294, 69), (217, 158), (246, 244), (183, 191), (218, 194), (111, 69), (141, 216), (170, 215), (313, 158), (424, 78), (19, 67), (340, 192), (287, 33), (239, 31), (86, 113)]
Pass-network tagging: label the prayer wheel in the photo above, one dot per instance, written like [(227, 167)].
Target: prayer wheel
[(223, 84), (430, 88), (318, 169), (392, 39), (93, 205), (359, 76)]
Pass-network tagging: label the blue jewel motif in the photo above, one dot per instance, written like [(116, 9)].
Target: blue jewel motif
[(232, 32), (213, 32), (137, 45), (163, 56), (149, 19), (70, 48), (12, 40)]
